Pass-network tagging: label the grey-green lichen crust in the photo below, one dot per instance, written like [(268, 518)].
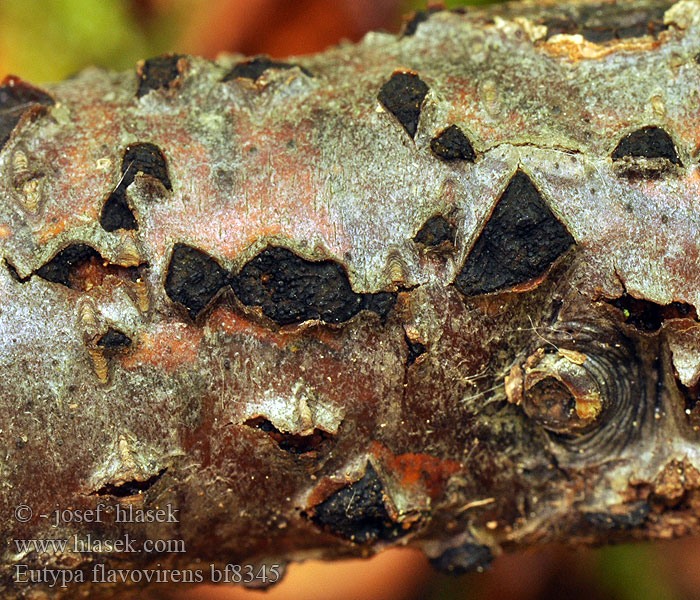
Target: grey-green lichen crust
[(449, 274)]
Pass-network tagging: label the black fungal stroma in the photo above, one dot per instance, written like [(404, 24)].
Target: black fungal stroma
[(114, 339), (129, 488), (60, 268), (463, 559), (255, 67), (649, 316), (143, 158), (614, 21), (158, 73), (518, 243), (292, 443), (403, 97), (415, 349), (288, 288), (451, 144), (193, 278), (648, 142), (357, 512), (436, 231), (420, 16), (15, 99)]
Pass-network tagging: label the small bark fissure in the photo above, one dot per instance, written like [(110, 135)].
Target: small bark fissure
[(129, 488), (289, 442), (648, 316)]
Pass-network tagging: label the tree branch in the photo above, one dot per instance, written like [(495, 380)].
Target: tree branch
[(437, 289)]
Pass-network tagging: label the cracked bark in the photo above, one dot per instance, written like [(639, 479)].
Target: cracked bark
[(435, 289)]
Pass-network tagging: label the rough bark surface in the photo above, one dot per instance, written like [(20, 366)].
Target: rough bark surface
[(435, 289)]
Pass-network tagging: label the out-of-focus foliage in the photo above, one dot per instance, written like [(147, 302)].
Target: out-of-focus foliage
[(633, 572), (50, 39)]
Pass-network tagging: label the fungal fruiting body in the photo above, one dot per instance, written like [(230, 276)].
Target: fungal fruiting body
[(437, 288)]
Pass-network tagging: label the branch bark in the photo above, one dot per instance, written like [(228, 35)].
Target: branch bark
[(437, 288)]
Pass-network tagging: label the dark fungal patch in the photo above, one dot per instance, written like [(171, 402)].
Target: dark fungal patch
[(628, 518), (357, 512), (114, 339), (647, 142), (519, 243), (604, 22), (143, 158), (463, 559), (129, 488), (418, 17), (255, 67), (415, 349), (436, 230), (403, 97), (17, 97), (193, 278), (116, 213), (292, 443), (290, 289), (641, 314), (649, 316), (451, 144), (158, 73), (380, 303), (61, 267), (148, 159)]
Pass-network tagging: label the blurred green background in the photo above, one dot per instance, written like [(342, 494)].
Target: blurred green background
[(48, 40)]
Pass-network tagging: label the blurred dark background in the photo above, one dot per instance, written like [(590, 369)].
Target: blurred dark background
[(47, 40)]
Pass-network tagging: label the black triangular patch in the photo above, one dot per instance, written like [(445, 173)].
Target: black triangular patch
[(116, 213), (143, 158), (451, 144), (61, 267), (403, 97), (435, 231), (149, 160), (518, 243)]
